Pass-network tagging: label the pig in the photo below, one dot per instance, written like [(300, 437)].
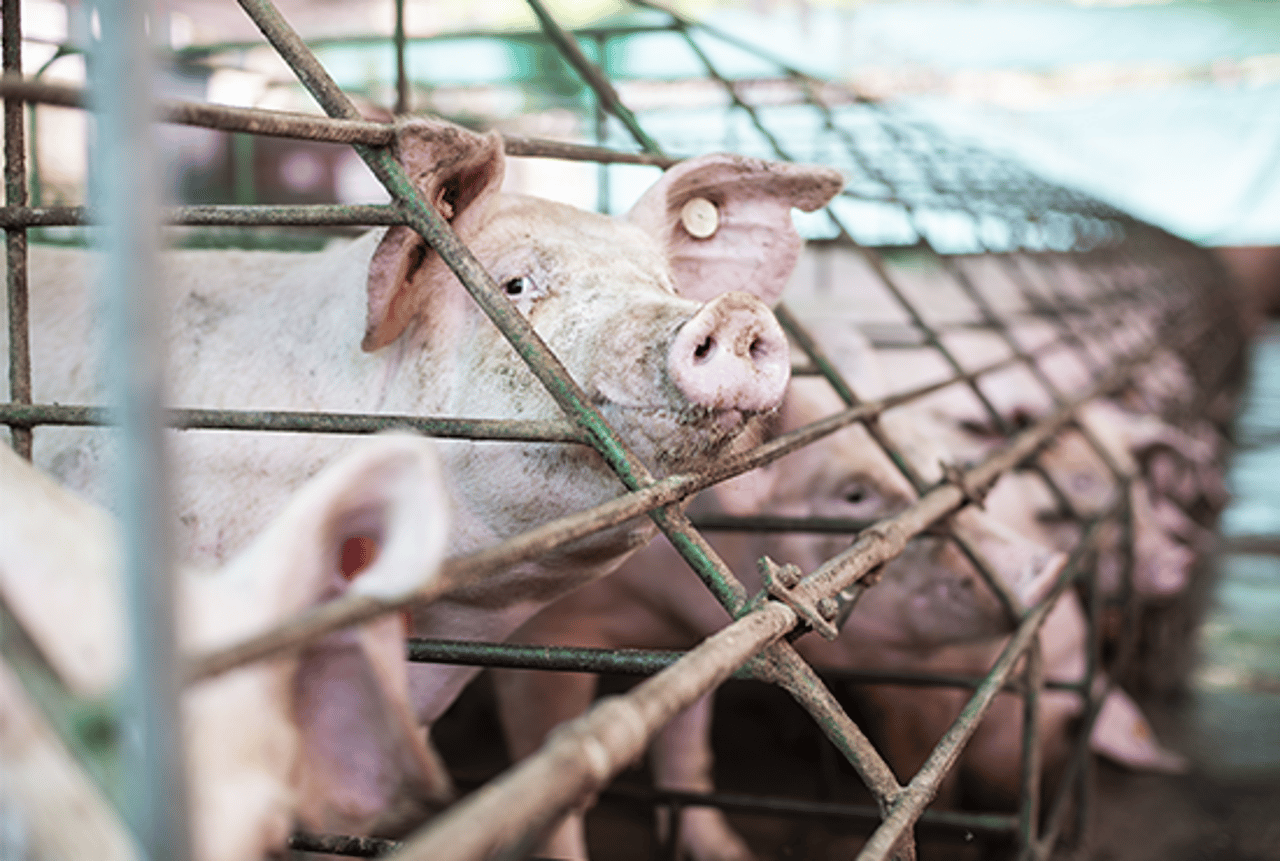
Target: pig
[(661, 317), (927, 597), (325, 736)]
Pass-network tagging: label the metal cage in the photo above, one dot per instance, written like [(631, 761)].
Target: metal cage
[(1027, 229)]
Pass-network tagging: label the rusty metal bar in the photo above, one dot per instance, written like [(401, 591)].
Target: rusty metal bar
[(15, 194), (527, 430), (343, 844), (586, 753), (781, 665), (1029, 813), (348, 130), (922, 787), (222, 215)]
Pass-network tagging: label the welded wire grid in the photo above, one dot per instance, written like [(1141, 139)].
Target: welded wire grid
[(959, 207)]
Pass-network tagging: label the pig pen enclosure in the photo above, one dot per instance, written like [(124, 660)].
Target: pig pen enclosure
[(964, 269)]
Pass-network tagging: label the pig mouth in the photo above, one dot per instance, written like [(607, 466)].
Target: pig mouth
[(679, 437)]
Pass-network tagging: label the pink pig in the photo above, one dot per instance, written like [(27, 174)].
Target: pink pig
[(664, 325)]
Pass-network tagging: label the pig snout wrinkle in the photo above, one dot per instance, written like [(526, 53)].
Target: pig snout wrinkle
[(731, 355)]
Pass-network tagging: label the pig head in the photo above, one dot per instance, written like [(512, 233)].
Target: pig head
[(325, 737)]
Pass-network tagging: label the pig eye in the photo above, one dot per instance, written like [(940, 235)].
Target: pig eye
[(521, 286), (862, 500)]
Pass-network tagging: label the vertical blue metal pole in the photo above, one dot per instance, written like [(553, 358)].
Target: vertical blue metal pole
[(126, 187)]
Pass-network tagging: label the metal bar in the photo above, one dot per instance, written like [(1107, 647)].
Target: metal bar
[(349, 130), (1029, 812), (646, 662), (889, 537), (936, 820), (126, 166), (922, 787), (783, 666), (220, 215), (584, 754), (306, 422), (591, 76), (402, 73), (347, 611), (768, 523), (15, 194), (601, 129), (89, 729)]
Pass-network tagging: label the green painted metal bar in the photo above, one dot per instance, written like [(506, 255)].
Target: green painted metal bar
[(90, 729), (21, 415), (591, 76), (937, 821)]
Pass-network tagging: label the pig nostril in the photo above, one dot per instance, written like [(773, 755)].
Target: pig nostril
[(703, 349), (758, 348)]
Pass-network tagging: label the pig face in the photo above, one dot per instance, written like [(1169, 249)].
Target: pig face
[(930, 595), (667, 332)]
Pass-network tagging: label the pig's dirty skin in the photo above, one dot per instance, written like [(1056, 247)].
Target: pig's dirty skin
[(324, 737)]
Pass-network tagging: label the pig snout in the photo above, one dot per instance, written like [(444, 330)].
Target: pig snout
[(731, 356)]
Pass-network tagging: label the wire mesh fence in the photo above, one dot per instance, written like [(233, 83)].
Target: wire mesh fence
[(952, 239)]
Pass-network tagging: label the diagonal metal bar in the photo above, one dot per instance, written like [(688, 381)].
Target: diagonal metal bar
[(586, 753), (592, 76), (924, 785)]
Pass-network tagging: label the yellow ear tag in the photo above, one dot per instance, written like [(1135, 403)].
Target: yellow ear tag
[(700, 217)]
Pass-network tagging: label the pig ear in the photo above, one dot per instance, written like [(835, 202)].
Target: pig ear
[(725, 221), (458, 172), (346, 696)]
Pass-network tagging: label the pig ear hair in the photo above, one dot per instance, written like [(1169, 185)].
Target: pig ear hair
[(458, 172), (748, 240)]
